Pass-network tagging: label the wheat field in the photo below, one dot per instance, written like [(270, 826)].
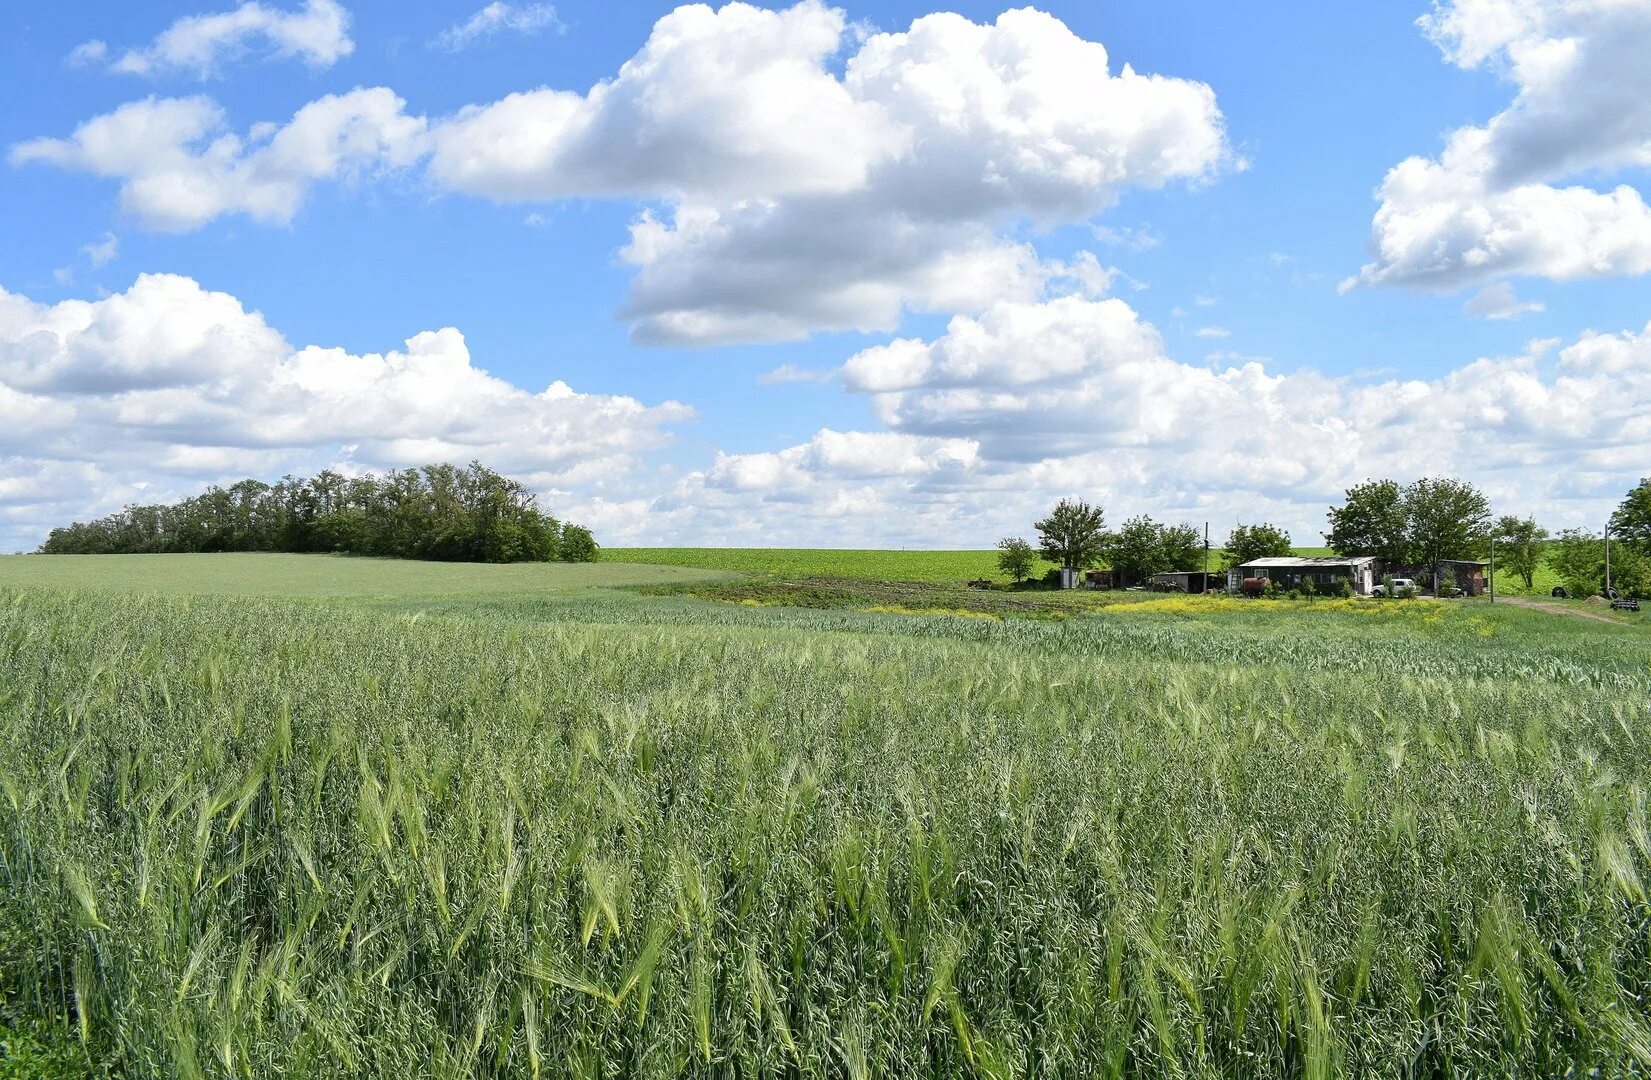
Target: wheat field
[(248, 837)]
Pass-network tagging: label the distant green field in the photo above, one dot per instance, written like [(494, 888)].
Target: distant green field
[(325, 575), (826, 562)]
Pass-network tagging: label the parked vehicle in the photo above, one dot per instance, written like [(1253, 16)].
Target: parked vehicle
[(1401, 586)]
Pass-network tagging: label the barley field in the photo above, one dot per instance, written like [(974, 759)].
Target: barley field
[(590, 833)]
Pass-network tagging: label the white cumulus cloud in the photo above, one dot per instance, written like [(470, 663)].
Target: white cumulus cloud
[(1504, 199), (180, 166)]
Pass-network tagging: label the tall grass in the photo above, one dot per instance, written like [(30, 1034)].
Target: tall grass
[(253, 839)]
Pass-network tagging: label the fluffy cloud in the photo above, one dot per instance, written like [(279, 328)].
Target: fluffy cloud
[(811, 176), (170, 383), (495, 19), (1492, 204), (991, 421), (1019, 120), (718, 106), (180, 167), (318, 34)]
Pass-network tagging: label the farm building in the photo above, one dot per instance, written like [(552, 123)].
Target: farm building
[(1187, 581), (1362, 572), (1469, 574)]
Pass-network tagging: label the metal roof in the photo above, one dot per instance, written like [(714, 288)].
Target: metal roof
[(1308, 563)]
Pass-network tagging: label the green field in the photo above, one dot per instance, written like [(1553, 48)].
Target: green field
[(826, 562), (438, 821), (324, 575)]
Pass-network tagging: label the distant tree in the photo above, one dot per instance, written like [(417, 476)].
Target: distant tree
[(1632, 521), (578, 545), (1183, 547), (1246, 543), (1630, 570), (1577, 558), (1136, 550), (1072, 534), (1015, 557), (1445, 519), (1519, 547), (1371, 521)]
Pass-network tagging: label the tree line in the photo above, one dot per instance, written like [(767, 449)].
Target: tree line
[(439, 512), (1422, 523)]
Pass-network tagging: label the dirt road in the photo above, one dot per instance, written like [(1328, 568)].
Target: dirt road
[(1560, 609)]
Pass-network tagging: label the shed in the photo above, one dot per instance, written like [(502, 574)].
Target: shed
[(1188, 581)]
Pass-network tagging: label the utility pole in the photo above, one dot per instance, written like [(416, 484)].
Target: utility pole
[(1493, 568), (1608, 560), (1206, 555)]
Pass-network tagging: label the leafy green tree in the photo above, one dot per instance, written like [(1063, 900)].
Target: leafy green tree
[(1246, 543), (1445, 519), (1425, 521), (1630, 570), (1183, 547), (1577, 558), (1072, 535), (578, 545), (1137, 551), (1371, 521), (1015, 557), (1519, 546), (1632, 521)]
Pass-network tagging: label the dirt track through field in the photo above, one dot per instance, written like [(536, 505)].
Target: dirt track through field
[(1556, 609)]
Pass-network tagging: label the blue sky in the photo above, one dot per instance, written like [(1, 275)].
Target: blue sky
[(1210, 364)]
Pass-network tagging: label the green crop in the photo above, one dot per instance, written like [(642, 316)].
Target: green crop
[(587, 834)]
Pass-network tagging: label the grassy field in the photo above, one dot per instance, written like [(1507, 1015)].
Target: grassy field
[(324, 575), (569, 831), (826, 562)]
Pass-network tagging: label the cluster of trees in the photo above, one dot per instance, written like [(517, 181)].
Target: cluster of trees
[(1434, 519), (438, 512), (1421, 523), (1579, 557), (1416, 524), (1075, 536)]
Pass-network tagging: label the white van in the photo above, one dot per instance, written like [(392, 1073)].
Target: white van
[(1400, 586)]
